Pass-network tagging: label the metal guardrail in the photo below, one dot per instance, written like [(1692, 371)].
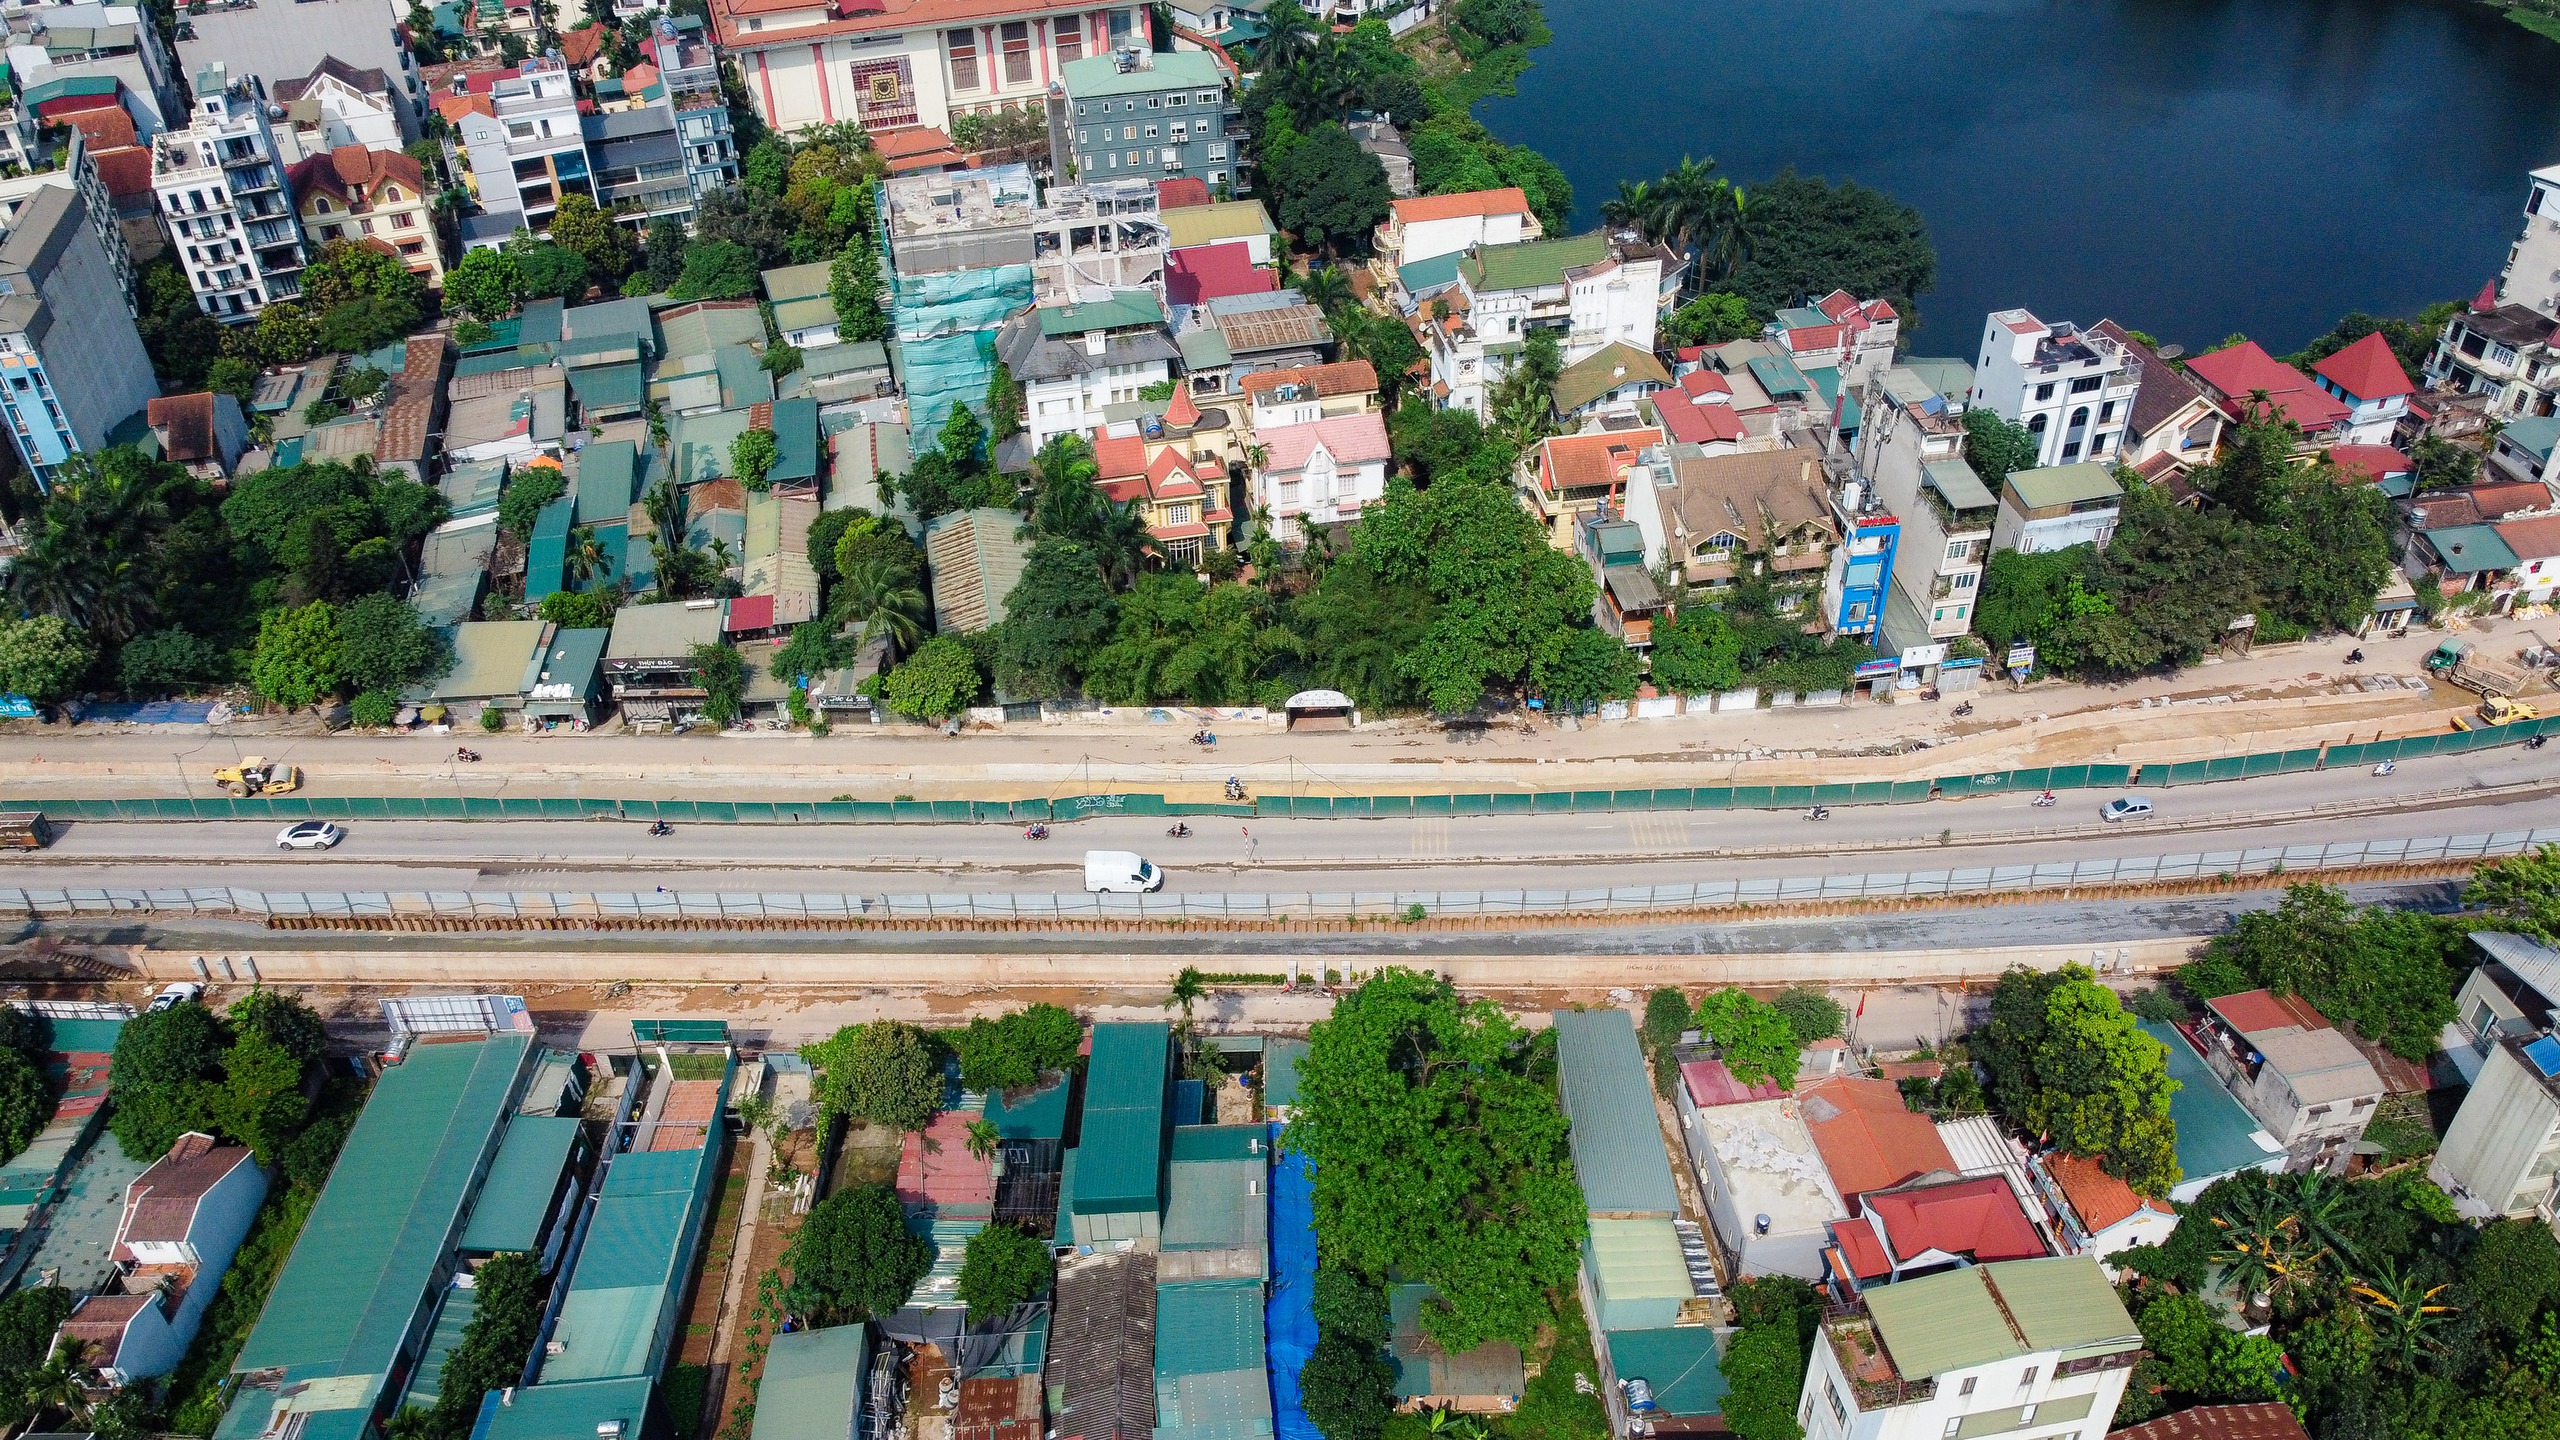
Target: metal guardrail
[(767, 908)]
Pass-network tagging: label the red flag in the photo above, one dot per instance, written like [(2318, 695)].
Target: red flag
[(1862, 1006)]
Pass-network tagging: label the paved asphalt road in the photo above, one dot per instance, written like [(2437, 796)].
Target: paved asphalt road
[(1509, 852)]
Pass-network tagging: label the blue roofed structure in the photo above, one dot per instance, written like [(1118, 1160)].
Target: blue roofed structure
[(1679, 1365), (1209, 1364)]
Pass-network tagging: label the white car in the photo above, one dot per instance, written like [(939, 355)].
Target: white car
[(177, 994), (2125, 807), (1121, 872), (309, 835)]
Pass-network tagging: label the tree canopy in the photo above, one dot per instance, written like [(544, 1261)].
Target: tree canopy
[(886, 1071), (1439, 1157), (2069, 1064), (853, 1258), (2390, 972), (1757, 1042)]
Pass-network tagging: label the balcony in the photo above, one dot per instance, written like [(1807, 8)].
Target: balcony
[(1861, 1353)]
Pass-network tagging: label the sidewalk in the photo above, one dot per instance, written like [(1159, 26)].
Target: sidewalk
[(2287, 697)]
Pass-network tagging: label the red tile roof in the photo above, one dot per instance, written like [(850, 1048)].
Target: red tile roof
[(185, 423), (1977, 1217), (2234, 373), (1583, 461), (160, 1204), (105, 127), (2259, 1420), (1861, 1249), (2253, 1011), (1118, 457), (1705, 382), (454, 107), (1181, 194), (125, 171), (1342, 377), (1510, 200), (2368, 370), (2098, 1198), (1868, 1138), (749, 612), (1695, 424), (919, 147), (1183, 411), (2368, 462), (1209, 272), (2535, 539), (581, 45), (1711, 1084), (2505, 498)]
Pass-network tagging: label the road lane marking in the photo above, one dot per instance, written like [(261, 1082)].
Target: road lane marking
[(1431, 837), (1659, 832)]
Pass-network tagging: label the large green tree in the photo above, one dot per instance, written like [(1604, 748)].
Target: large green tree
[(1329, 192), (297, 660), (2070, 1064), (853, 1258), (1811, 237), (886, 1072), (383, 644), (2389, 971), (42, 657), (1757, 1042), (1439, 1157), (1060, 613), (1003, 1266)]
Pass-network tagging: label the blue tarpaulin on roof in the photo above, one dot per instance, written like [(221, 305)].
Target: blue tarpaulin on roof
[(1289, 1319)]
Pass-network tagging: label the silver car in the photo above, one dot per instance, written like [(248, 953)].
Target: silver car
[(309, 835), (2125, 807)]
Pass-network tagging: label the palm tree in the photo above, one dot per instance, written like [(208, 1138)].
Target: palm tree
[(1062, 498), (1120, 541), (1633, 208), (1188, 989), (1688, 202), (61, 1383), (882, 600), (665, 507), (1729, 242), (2260, 1248), (86, 559), (585, 558), (1286, 30), (1326, 288), (2404, 1314), (983, 1139)]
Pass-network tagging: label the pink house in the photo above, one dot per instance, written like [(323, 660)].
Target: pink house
[(1320, 473)]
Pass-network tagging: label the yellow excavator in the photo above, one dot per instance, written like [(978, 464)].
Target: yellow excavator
[(256, 776), (2499, 710)]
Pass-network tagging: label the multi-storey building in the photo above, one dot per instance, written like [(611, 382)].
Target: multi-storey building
[(2306, 1084), (71, 365), (80, 174), (2174, 425), (528, 154), (897, 64), (2038, 1348), (2055, 507), (1135, 112), (2072, 389), (1590, 289), (352, 193), (221, 187), (2532, 274), (1911, 453), (277, 42), (340, 104), (1074, 361), (2501, 1155), (2505, 351), (689, 82)]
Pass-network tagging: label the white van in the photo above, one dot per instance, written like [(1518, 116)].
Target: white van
[(1120, 871)]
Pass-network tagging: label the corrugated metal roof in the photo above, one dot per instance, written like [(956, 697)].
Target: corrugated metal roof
[(2213, 1130), (1608, 1099), (1637, 1260), (1942, 1322), (1218, 1205), (1229, 1405), (1679, 1365), (1103, 1343), (812, 1384), (1122, 1148), (358, 1275), (1280, 1071), (1424, 1369), (2063, 1304), (1207, 1327), (517, 1196), (1037, 1115), (550, 1412)]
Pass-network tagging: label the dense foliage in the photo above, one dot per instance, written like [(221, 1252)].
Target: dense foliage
[(886, 1072), (1440, 1157), (1756, 1041), (2388, 971), (1004, 1266), (2070, 1066), (237, 1077), (853, 1258), (27, 1100), (1012, 1051), (505, 1321)]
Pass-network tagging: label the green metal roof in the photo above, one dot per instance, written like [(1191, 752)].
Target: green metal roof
[(2535, 435), (1608, 1098), (492, 362), (569, 1411), (1680, 1365), (796, 282), (1122, 1144), (356, 1283), (609, 389), (701, 444), (90, 1036), (1534, 265), (1801, 317), (541, 321), (1424, 1369), (503, 335), (1124, 310), (1956, 483), (1229, 1405), (743, 379), (546, 554), (2064, 485), (1942, 1322), (1173, 70), (1038, 1115), (1426, 275), (608, 474), (1637, 1260), (1280, 1072), (517, 1196), (1218, 1205), (2213, 1131), (1778, 375), (1206, 1327), (453, 1316), (1204, 349), (2064, 1304), (812, 1384), (2471, 549), (1201, 1143), (795, 441)]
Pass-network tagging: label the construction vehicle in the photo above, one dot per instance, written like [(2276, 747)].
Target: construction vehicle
[(2461, 663), (2499, 710), (255, 776)]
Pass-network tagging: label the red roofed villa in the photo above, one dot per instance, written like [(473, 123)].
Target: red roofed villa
[(2232, 375), (2366, 377), (184, 1218), (1430, 226)]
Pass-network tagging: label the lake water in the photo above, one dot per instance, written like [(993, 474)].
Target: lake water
[(2189, 167)]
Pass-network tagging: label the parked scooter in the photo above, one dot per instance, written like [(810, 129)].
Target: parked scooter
[(466, 753), (1206, 740)]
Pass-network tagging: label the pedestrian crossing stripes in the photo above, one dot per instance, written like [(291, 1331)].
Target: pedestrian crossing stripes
[(1431, 837)]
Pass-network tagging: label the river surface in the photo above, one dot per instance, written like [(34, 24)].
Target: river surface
[(2189, 167)]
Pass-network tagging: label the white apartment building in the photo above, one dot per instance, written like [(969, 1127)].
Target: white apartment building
[(896, 64), (1590, 289), (1911, 452), (2532, 274), (2073, 389), (2501, 1155), (338, 104), (1075, 361), (527, 156), (2033, 1348), (221, 188), (2055, 507), (2507, 345)]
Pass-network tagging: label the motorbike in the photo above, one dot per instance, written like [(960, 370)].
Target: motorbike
[(1930, 694), (2355, 657), (1235, 788), (1206, 740), (1962, 710), (1818, 812), (661, 827), (2386, 767), (2537, 742), (466, 754), (2046, 801), (1179, 832), (1036, 832)]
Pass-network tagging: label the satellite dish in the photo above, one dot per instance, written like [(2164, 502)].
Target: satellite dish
[(2171, 352)]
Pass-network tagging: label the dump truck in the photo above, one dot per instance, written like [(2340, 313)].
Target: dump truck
[(256, 776), (2462, 663)]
